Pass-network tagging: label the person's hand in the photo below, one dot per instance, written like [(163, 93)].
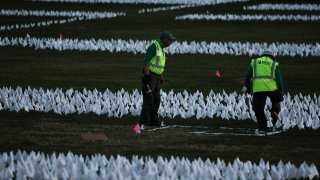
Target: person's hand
[(146, 69), (161, 80)]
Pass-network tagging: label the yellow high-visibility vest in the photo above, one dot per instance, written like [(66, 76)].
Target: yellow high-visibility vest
[(264, 69), (158, 62)]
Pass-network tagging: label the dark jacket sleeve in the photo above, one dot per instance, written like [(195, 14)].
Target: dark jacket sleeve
[(279, 79), (151, 52), (248, 77)]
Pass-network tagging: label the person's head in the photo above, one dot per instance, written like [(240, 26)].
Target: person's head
[(167, 38), (269, 54)]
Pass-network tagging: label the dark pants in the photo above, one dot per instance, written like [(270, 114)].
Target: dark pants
[(151, 99), (259, 101)]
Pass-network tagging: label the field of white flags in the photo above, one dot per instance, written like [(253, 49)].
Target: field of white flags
[(37, 165), (297, 110), (138, 46), (49, 98), (70, 15), (247, 17), (283, 7)]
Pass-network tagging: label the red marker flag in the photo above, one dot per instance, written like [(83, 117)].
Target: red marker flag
[(218, 74), (137, 129)]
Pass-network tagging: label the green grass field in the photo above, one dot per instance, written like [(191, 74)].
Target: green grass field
[(52, 69)]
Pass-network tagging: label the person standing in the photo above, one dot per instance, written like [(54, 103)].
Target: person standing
[(152, 78), (264, 79)]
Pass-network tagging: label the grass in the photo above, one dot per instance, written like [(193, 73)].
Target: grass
[(49, 132), (51, 69)]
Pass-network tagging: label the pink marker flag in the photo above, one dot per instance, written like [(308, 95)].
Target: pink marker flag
[(218, 74), (61, 36), (137, 128)]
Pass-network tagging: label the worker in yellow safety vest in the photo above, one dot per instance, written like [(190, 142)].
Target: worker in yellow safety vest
[(152, 78), (264, 79)]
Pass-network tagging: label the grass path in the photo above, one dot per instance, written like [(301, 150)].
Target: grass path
[(49, 132)]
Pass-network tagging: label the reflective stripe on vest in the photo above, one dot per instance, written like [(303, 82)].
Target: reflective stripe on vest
[(157, 63), (263, 77)]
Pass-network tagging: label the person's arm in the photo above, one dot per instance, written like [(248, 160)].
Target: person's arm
[(279, 80), (248, 78), (161, 79), (151, 52)]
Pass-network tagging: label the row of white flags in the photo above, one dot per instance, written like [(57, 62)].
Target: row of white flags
[(37, 165), (167, 8), (139, 46), (70, 15), (188, 2), (39, 24), (283, 7), (78, 16), (248, 17), (261, 7), (296, 111), (46, 13)]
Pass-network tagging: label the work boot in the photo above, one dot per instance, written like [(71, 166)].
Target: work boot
[(275, 117), (275, 129), (261, 132), (142, 126)]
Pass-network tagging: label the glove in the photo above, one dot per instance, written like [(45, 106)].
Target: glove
[(145, 74)]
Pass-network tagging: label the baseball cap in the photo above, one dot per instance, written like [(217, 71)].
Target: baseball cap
[(269, 53), (167, 35)]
